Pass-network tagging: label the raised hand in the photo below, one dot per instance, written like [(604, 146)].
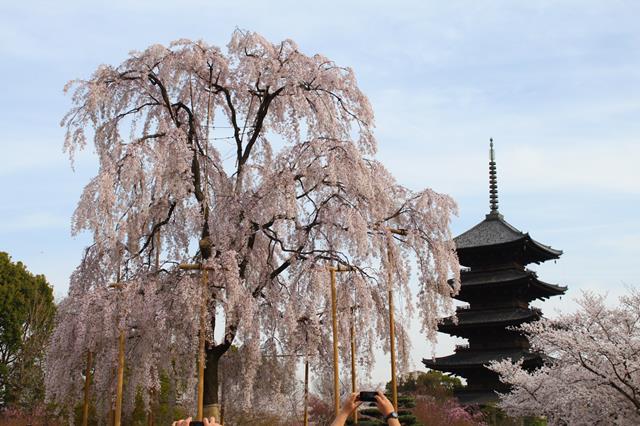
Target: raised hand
[(384, 405)]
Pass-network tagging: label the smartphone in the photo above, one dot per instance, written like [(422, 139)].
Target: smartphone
[(196, 423), (367, 396)]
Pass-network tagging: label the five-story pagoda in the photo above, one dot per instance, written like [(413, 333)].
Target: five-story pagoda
[(498, 288)]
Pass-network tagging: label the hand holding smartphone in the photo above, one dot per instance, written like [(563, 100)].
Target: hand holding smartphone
[(367, 396)]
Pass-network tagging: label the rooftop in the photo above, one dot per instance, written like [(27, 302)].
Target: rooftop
[(494, 230), (491, 317), (480, 280), (474, 359)]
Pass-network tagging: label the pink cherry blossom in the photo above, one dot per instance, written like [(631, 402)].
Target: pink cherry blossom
[(592, 375), (259, 163)]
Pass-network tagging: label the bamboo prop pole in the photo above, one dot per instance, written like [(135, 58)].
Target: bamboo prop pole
[(213, 410), (223, 395), (150, 419), (392, 339), (305, 420), (87, 383), (118, 414), (392, 326), (334, 329), (306, 393), (201, 352), (353, 361)]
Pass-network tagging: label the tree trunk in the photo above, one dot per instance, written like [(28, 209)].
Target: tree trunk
[(211, 381)]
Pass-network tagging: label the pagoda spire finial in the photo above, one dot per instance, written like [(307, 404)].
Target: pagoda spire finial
[(493, 180)]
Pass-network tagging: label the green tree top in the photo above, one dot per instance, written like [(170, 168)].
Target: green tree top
[(26, 318)]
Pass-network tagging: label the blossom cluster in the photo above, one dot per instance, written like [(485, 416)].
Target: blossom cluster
[(592, 373), (258, 164)]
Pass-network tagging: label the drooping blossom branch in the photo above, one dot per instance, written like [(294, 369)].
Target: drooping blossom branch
[(259, 164), (593, 371)]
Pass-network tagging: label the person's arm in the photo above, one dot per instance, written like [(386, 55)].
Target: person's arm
[(348, 406), (386, 407)]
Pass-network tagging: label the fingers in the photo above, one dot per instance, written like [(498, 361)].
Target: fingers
[(384, 405), (379, 402), (349, 400), (211, 421), (382, 396)]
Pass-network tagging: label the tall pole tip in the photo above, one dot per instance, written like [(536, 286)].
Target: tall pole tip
[(493, 179)]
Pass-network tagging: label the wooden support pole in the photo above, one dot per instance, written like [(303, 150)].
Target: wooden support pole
[(151, 393), (201, 347), (392, 333), (306, 393), (392, 341), (213, 409), (118, 413), (334, 329), (353, 362), (223, 395), (87, 383)]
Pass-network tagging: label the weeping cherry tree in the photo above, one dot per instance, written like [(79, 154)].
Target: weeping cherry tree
[(257, 162)]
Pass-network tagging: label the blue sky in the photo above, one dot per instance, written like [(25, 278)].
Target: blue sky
[(555, 83)]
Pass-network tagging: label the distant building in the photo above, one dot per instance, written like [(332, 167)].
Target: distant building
[(498, 288)]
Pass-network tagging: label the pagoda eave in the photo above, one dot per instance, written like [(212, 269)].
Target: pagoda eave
[(504, 317), (466, 360), (526, 284), (548, 251), (524, 250)]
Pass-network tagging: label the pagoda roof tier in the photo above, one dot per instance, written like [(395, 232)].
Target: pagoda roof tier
[(473, 359), (474, 283), (494, 239), (481, 318)]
